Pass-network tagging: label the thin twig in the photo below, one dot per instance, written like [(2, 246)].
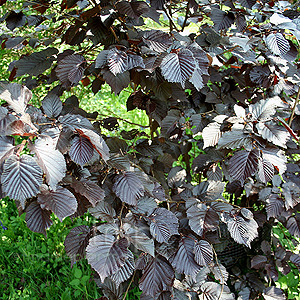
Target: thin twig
[(229, 50), (223, 279), (172, 24), (294, 107), (120, 215), (130, 283), (186, 16), (124, 120)]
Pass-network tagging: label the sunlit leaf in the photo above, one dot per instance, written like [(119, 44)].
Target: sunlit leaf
[(106, 254), (21, 177), (62, 202)]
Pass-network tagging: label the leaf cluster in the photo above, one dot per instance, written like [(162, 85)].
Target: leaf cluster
[(232, 88)]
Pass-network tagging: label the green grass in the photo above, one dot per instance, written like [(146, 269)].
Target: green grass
[(35, 267)]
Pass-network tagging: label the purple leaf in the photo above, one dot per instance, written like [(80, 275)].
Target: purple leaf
[(81, 150), (62, 202), (163, 224), (76, 242), (183, 260), (178, 67), (21, 178), (106, 254), (158, 276), (89, 189), (128, 187), (70, 69), (203, 253), (243, 164), (51, 161), (37, 219), (117, 61)]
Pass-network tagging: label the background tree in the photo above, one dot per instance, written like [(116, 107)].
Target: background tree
[(186, 208)]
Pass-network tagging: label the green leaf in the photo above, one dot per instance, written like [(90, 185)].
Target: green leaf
[(75, 282), (78, 273)]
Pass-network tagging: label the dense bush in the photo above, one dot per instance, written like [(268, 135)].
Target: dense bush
[(187, 204)]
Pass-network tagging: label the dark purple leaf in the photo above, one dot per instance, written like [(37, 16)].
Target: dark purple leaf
[(139, 239), (264, 109), (258, 261), (291, 193), (118, 82), (274, 206), (163, 224), (106, 254), (14, 20), (277, 43), (36, 63), (157, 277), (128, 187), (101, 59), (135, 61), (202, 219), (157, 4), (276, 157), (293, 225), (241, 230), (97, 141), (295, 259), (62, 202), (133, 9), (89, 189), (241, 22), (145, 205), (6, 145), (110, 289), (247, 3), (220, 273), (208, 191), (214, 291), (178, 67), (81, 150), (176, 177), (243, 164), (157, 40), (117, 61), (76, 242), (125, 271), (221, 19), (52, 105), (103, 211), (234, 139), (273, 133), (260, 75), (51, 161), (37, 219), (211, 134), (203, 253), (183, 260), (16, 95), (75, 122), (265, 170), (214, 173), (21, 178), (70, 69), (273, 293)]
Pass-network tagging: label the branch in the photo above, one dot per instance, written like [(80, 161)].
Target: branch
[(294, 107), (172, 24), (127, 290), (124, 120), (186, 16), (223, 279)]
